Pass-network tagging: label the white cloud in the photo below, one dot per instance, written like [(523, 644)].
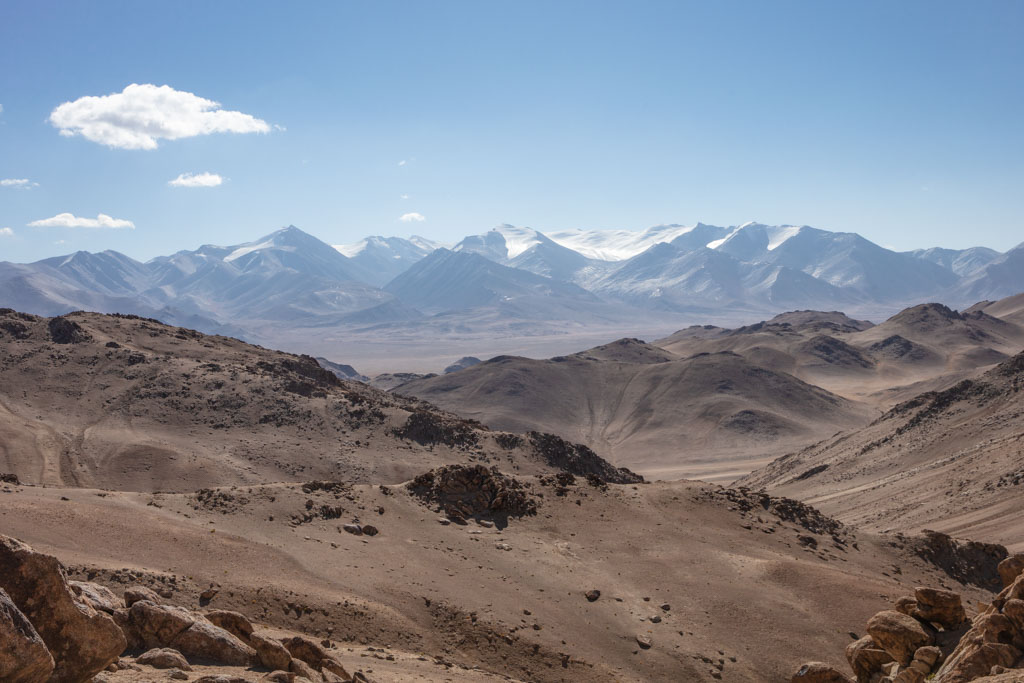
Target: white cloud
[(140, 115), (19, 183), (403, 162), (196, 180), (412, 217), (404, 196), (6, 232), (68, 220)]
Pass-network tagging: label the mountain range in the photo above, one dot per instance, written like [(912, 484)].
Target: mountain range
[(510, 281)]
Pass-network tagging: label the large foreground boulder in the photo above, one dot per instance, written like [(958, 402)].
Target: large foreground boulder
[(898, 634), (81, 640), (23, 654)]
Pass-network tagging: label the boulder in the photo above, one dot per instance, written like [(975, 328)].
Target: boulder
[(96, 596), (271, 653), (279, 677), (306, 650), (81, 640), (158, 625), (164, 658), (303, 670), (866, 658), (1010, 568), (898, 634), (23, 654), (819, 672), (939, 606), (221, 678), (592, 595), (205, 642), (329, 665), (134, 594), (233, 622), (644, 641)]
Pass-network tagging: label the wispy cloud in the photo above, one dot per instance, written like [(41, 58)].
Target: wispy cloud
[(196, 180), (142, 114), (6, 232), (412, 217), (403, 162), (18, 183), (404, 196), (68, 220)]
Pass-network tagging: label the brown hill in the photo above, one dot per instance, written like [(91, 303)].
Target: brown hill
[(122, 402), (923, 347), (949, 460), (710, 416)]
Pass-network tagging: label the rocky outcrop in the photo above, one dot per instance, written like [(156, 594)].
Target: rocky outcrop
[(81, 640), (23, 654), (578, 459), (928, 638), (463, 491), (996, 638)]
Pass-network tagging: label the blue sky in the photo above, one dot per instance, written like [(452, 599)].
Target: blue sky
[(898, 120)]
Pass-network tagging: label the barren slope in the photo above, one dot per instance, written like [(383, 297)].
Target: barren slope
[(130, 403), (750, 584), (711, 416), (951, 460)]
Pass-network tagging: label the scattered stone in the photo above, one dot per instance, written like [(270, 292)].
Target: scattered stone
[(644, 641), (370, 530), (208, 594), (164, 658), (592, 595), (353, 529), (177, 675), (666, 607)]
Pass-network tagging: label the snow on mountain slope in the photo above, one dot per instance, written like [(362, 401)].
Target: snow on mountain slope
[(617, 245), (527, 249), (382, 258)]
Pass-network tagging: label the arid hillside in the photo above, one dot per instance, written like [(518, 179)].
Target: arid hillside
[(709, 416), (951, 460), (127, 403)]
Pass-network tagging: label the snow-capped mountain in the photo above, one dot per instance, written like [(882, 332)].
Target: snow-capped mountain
[(527, 249), (449, 280), (290, 280), (618, 245), (383, 258)]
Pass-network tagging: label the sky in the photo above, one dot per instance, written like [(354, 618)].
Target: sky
[(151, 127)]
